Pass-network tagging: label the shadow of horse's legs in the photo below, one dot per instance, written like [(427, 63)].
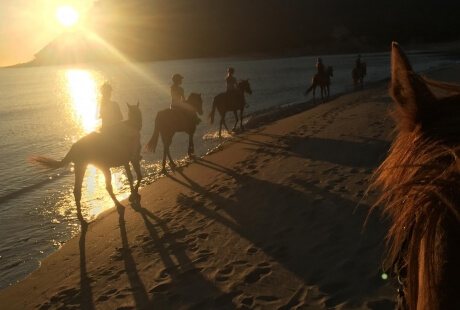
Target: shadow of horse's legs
[(86, 293)]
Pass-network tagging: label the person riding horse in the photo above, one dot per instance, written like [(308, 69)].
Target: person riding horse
[(358, 62), (178, 102), (321, 70), (111, 116), (232, 86)]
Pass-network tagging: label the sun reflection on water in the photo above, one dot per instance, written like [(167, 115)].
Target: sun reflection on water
[(83, 92)]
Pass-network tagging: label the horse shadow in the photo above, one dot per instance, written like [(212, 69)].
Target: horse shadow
[(305, 238), (179, 270)]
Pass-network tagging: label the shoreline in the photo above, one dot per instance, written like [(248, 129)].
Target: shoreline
[(280, 203), (192, 228)]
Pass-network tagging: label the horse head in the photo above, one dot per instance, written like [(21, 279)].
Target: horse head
[(420, 180), (244, 86), (196, 101), (134, 116)]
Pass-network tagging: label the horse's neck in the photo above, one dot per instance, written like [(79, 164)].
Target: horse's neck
[(133, 124)]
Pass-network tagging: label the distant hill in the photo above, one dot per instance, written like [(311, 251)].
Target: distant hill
[(146, 30)]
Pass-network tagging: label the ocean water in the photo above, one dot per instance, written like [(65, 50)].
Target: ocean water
[(44, 110)]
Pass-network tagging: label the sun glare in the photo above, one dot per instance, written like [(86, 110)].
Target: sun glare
[(67, 15), (83, 92)]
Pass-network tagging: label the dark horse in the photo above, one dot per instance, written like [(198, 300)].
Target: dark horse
[(170, 121), (229, 101), (421, 195), (111, 147), (358, 74), (323, 81)]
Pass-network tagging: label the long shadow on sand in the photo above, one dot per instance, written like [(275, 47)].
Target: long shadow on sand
[(124, 253), (86, 294), (174, 287), (301, 227)]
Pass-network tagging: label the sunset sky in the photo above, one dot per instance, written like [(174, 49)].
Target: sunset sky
[(26, 26)]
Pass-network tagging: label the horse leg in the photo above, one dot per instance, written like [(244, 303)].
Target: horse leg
[(130, 179), (236, 120), (137, 168), (166, 144), (109, 188), (314, 91), (79, 175), (222, 122), (241, 119), (191, 148)]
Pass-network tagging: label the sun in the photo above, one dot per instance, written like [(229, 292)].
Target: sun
[(67, 15)]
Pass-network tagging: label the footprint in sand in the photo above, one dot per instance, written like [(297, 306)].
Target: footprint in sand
[(223, 275), (257, 273), (161, 288)]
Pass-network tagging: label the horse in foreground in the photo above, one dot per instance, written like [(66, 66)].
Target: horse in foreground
[(420, 180), (170, 121), (323, 81), (358, 74), (225, 102), (111, 147)]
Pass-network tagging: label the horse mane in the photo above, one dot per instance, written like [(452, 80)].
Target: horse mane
[(420, 177)]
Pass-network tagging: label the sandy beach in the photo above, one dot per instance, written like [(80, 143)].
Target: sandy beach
[(273, 219)]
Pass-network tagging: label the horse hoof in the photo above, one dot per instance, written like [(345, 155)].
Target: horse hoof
[(164, 171)]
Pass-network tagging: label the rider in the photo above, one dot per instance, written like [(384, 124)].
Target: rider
[(110, 115), (109, 111), (358, 62), (232, 85), (320, 67), (178, 99)]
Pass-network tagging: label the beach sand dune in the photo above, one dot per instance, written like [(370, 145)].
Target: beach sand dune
[(272, 220)]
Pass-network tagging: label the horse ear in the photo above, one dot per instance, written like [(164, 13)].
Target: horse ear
[(410, 93)]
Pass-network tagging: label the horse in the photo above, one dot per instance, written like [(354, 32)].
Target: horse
[(420, 189), (170, 121), (358, 74), (323, 81), (229, 101), (112, 146)]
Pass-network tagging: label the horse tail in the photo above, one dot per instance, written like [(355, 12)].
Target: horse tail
[(152, 144), (49, 163), (309, 89), (213, 110)]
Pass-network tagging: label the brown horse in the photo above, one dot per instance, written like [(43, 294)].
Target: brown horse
[(421, 195), (111, 147), (323, 81), (170, 121), (229, 101), (358, 74)]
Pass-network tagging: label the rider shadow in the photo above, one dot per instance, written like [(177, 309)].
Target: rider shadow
[(304, 217), (179, 269), (86, 293), (124, 253)]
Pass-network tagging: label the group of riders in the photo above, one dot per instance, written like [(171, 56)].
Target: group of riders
[(321, 69), (110, 113)]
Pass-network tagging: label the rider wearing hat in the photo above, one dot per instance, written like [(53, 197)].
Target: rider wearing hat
[(178, 98), (110, 115)]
